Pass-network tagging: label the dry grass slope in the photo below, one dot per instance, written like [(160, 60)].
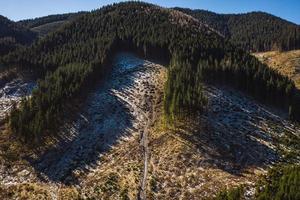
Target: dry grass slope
[(287, 63)]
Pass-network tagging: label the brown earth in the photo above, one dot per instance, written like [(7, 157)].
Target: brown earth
[(287, 63)]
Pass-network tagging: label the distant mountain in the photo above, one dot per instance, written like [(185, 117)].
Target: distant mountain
[(47, 24), (255, 31), (13, 35)]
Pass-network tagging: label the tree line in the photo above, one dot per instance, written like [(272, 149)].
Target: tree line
[(195, 53)]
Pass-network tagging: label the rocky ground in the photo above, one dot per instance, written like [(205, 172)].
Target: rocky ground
[(104, 153)]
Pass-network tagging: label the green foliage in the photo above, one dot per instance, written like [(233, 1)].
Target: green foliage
[(195, 52), (44, 109), (283, 182), (13, 35), (255, 31), (248, 74), (183, 89)]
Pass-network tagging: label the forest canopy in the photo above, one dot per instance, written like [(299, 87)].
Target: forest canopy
[(67, 59), (254, 31), (13, 36)]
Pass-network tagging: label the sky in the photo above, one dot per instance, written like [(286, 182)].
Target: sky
[(25, 9)]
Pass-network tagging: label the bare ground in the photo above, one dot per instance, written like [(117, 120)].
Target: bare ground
[(230, 144), (287, 63), (102, 155)]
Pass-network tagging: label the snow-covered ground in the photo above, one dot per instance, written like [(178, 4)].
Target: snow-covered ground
[(13, 91), (237, 136), (231, 143), (244, 127), (116, 109)]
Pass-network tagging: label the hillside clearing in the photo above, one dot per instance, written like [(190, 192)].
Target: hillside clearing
[(287, 63), (232, 143)]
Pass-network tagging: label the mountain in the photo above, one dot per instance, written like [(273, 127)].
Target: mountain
[(254, 31), (13, 35), (81, 50), (47, 24), (136, 101)]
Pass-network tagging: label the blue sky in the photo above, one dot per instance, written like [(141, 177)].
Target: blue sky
[(23, 9)]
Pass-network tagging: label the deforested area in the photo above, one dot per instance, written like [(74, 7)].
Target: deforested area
[(139, 101)]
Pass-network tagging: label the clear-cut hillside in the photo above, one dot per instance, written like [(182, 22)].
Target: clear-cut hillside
[(81, 51), (105, 135), (102, 154), (97, 126), (287, 63), (11, 93), (48, 24), (232, 143)]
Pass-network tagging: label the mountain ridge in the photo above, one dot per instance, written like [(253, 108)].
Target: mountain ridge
[(106, 121), (253, 31), (13, 35), (229, 25)]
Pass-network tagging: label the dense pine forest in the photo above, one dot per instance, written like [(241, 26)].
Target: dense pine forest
[(195, 53), (13, 35), (255, 31)]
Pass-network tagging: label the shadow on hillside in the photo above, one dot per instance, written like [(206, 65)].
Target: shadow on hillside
[(104, 119), (232, 134)]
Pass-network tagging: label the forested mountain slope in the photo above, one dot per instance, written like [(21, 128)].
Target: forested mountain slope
[(48, 24), (13, 35), (75, 55), (172, 117), (255, 31)]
